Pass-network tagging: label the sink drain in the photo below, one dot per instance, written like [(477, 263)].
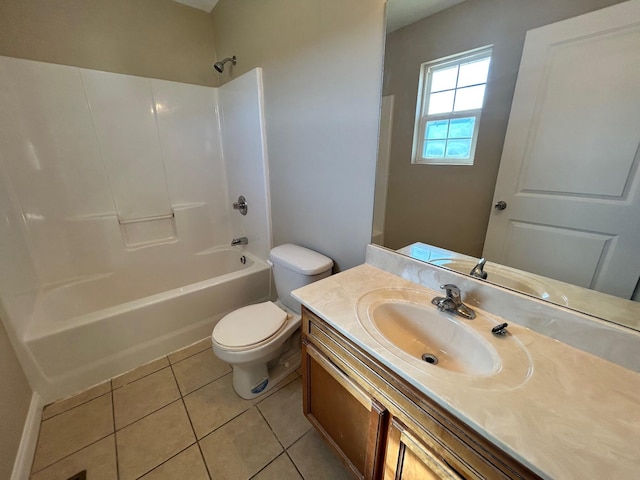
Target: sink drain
[(430, 358)]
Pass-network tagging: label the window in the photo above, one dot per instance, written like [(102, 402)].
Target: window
[(450, 99)]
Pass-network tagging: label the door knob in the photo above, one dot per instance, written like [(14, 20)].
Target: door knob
[(501, 205)]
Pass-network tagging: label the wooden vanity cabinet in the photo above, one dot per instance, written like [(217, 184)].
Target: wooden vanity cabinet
[(382, 427), (407, 458), (350, 420)]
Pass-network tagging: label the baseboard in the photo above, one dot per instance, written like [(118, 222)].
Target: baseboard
[(27, 448)]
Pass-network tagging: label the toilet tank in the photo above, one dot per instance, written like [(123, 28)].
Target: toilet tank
[(294, 267)]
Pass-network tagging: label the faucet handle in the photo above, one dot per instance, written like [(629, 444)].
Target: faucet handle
[(452, 302), (452, 291)]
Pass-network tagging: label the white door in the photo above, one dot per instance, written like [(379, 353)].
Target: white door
[(569, 170)]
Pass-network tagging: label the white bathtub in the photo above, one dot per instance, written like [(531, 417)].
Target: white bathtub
[(86, 331)]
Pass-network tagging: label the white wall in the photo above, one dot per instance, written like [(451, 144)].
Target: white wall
[(322, 64), (84, 150), (245, 156)]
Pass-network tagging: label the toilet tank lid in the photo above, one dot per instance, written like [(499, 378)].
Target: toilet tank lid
[(300, 259)]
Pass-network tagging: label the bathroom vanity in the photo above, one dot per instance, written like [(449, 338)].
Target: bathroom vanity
[(544, 410), (381, 426)]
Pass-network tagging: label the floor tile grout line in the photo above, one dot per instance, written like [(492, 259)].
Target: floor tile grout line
[(72, 453), (201, 387), (188, 356), (148, 415), (195, 435), (115, 439), (300, 437), (269, 424), (267, 465), (116, 429), (225, 423), (231, 420), (143, 376), (270, 427), (204, 460), (276, 435), (167, 460), (286, 452), (75, 406), (291, 458), (244, 411)]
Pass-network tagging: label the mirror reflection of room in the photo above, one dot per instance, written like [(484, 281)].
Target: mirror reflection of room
[(524, 153)]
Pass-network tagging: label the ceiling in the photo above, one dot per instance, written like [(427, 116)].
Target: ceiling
[(403, 12), (206, 5), (399, 12)]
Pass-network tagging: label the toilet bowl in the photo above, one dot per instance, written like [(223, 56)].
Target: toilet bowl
[(262, 342)]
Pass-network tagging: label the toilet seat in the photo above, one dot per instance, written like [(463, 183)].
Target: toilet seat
[(249, 326)]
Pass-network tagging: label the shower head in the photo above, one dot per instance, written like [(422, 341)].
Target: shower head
[(219, 66)]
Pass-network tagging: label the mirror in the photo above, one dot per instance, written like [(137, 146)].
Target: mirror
[(449, 207)]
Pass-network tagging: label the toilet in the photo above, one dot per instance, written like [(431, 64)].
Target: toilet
[(262, 341)]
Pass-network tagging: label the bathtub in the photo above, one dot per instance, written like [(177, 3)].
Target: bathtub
[(91, 329)]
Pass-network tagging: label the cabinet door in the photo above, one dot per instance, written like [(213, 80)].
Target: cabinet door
[(409, 459), (352, 422)]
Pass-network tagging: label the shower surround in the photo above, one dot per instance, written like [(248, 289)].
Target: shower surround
[(116, 216)]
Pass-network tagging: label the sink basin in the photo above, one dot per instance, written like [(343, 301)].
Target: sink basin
[(436, 338), (405, 324)]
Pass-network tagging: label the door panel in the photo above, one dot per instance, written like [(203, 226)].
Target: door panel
[(569, 169), (346, 416), (586, 251), (409, 459)]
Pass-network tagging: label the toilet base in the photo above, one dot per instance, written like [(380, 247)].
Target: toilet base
[(252, 380)]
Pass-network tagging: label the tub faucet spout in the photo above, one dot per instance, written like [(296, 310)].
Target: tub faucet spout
[(239, 241)]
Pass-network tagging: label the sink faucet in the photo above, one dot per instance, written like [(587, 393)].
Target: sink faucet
[(239, 241), (453, 302), (478, 270)]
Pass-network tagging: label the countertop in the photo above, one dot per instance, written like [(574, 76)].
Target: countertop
[(572, 415)]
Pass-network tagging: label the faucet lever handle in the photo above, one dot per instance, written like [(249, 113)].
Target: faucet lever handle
[(452, 291)]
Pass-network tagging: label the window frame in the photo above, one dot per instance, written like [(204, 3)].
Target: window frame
[(422, 106)]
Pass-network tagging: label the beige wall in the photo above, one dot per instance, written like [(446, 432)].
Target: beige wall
[(449, 206), (15, 397), (322, 64), (149, 38)]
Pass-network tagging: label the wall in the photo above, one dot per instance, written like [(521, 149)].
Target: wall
[(104, 148), (15, 397), (321, 64), (449, 206), (150, 38)]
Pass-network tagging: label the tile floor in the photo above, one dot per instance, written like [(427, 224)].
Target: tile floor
[(179, 418)]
